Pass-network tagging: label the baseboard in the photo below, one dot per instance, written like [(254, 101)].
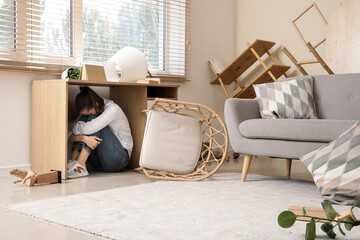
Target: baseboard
[(4, 170)]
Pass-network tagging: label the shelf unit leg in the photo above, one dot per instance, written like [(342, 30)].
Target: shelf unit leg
[(237, 83), (258, 57), (272, 76), (223, 87), (262, 63)]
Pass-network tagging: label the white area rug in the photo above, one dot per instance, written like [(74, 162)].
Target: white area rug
[(220, 208)]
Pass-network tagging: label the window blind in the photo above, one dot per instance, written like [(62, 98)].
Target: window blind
[(51, 35)]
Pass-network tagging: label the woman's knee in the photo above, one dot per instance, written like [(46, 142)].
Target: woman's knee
[(87, 118)]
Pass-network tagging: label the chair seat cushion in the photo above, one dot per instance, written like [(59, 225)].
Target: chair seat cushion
[(314, 130), (171, 143)]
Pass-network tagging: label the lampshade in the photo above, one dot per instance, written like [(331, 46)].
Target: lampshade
[(132, 64)]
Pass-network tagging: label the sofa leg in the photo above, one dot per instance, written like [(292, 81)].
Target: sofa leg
[(246, 165), (288, 166), (236, 155)]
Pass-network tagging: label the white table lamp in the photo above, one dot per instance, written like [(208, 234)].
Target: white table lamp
[(131, 63)]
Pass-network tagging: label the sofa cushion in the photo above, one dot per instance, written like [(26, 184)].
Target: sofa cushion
[(335, 167), (291, 99), (314, 130)]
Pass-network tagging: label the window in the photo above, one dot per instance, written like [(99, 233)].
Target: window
[(7, 24), (50, 35)]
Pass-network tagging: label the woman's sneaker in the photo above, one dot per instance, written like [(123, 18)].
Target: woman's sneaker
[(77, 170), (70, 163)]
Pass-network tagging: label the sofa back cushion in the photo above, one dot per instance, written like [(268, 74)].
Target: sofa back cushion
[(337, 96)]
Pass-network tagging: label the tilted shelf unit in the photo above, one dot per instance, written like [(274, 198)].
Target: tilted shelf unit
[(247, 58)]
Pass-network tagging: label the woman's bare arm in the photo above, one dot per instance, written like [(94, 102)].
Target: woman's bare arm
[(77, 138), (91, 141)]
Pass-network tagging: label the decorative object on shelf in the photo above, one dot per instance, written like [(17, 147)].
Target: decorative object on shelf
[(30, 178), (216, 66), (312, 48), (242, 63), (131, 63), (214, 138), (94, 73), (325, 215), (71, 73), (342, 49)]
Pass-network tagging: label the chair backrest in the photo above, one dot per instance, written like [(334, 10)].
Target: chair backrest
[(337, 96)]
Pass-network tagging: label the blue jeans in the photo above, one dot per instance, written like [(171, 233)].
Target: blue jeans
[(109, 155)]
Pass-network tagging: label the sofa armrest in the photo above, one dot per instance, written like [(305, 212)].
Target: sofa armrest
[(236, 111)]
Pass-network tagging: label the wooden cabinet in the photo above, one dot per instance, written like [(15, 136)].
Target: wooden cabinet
[(50, 112)]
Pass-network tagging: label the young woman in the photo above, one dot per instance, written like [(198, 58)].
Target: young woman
[(101, 135)]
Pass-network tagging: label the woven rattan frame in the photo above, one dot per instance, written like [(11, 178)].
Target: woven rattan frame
[(215, 140)]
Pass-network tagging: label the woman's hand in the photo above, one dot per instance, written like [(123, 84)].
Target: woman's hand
[(92, 141)]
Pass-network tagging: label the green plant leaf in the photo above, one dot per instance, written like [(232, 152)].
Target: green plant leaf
[(328, 228), (304, 211), (310, 231), (329, 210), (348, 226), (286, 219), (339, 225), (356, 204), (73, 73)]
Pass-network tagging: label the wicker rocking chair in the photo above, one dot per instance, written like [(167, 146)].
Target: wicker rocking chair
[(214, 138)]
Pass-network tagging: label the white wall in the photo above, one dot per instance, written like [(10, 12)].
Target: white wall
[(15, 117), (213, 36), (272, 20)]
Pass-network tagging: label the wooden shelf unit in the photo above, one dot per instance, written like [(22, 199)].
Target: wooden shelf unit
[(243, 62), (248, 91), (50, 111)]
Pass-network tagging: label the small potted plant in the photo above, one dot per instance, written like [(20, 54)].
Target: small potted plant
[(71, 73)]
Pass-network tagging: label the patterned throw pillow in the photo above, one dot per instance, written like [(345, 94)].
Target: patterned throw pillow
[(336, 167), (291, 99)]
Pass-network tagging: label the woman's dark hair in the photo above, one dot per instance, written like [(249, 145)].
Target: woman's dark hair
[(88, 99)]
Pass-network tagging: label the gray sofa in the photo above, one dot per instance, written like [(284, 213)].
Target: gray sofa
[(337, 99)]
